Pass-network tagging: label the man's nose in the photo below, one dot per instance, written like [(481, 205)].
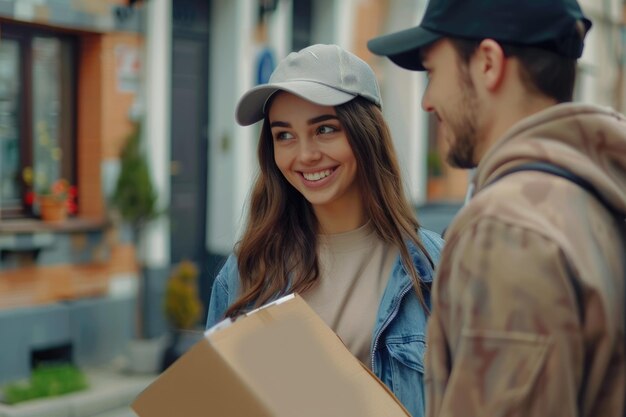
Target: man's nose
[(426, 103)]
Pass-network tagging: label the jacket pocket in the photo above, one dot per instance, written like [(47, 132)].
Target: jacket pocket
[(409, 352), (406, 363)]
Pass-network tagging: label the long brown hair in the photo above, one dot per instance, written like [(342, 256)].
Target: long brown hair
[(278, 250)]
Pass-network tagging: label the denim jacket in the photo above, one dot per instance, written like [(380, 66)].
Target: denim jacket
[(399, 337)]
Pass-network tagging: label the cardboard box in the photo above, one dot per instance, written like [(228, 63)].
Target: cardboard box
[(281, 360)]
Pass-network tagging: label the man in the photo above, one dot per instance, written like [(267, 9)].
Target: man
[(528, 304)]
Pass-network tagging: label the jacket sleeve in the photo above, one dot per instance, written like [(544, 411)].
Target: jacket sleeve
[(222, 292), (505, 334)]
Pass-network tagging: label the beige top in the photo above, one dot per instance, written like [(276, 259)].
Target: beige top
[(354, 269)]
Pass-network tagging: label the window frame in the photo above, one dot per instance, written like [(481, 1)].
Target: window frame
[(24, 34)]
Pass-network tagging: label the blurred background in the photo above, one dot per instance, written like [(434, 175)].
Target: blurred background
[(120, 157)]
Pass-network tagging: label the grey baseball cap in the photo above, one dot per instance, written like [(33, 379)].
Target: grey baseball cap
[(323, 74)]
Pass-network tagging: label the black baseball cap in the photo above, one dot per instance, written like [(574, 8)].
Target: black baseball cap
[(555, 25)]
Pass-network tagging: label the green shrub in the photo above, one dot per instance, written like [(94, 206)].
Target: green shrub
[(434, 165), (46, 381), (135, 196)]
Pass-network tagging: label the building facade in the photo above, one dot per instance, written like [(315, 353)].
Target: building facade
[(77, 76), (69, 84)]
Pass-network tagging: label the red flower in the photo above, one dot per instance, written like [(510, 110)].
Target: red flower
[(30, 198), (72, 207)]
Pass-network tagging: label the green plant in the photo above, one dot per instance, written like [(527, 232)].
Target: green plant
[(135, 196), (46, 381), (135, 199), (182, 303), (434, 165)]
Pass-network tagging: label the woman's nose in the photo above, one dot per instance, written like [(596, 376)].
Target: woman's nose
[(309, 151)]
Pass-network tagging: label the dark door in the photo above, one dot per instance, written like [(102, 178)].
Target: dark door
[(190, 74), (189, 146)]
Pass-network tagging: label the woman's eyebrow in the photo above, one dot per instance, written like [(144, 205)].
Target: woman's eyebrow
[(279, 124), (322, 118), (314, 120)]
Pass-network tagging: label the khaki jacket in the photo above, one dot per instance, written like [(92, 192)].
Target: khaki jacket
[(528, 303)]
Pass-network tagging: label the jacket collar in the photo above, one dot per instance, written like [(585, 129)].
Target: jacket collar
[(400, 283)]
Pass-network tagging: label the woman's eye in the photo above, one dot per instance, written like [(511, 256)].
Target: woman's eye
[(325, 130), (283, 136)]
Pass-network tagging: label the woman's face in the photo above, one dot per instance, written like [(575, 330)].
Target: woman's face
[(311, 150)]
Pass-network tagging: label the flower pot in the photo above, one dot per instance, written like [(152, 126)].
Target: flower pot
[(52, 210)]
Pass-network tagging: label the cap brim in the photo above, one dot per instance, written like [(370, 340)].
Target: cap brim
[(404, 47), (251, 106)]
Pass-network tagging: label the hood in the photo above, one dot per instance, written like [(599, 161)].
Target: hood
[(586, 140)]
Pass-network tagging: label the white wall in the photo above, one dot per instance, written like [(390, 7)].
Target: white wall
[(344, 23), (279, 29), (155, 243), (600, 61), (232, 148), (402, 93)]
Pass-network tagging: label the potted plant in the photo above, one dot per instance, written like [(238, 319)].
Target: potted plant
[(135, 200), (135, 197), (55, 199), (183, 308)]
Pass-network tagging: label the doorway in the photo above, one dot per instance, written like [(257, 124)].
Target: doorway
[(189, 144)]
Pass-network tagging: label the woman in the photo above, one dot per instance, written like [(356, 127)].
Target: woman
[(328, 217)]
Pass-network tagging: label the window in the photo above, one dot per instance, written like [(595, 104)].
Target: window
[(37, 114)]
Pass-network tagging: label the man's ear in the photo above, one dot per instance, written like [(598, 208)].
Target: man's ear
[(489, 64)]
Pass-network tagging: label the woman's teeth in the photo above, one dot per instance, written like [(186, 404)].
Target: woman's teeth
[(316, 176)]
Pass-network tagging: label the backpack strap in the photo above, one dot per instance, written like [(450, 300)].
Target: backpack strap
[(563, 173)]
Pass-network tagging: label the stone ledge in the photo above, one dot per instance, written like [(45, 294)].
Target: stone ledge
[(34, 286), (119, 412), (71, 225)]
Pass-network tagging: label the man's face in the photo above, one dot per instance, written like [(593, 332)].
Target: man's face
[(451, 96)]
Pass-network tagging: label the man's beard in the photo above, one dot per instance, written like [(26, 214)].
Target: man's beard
[(463, 127)]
